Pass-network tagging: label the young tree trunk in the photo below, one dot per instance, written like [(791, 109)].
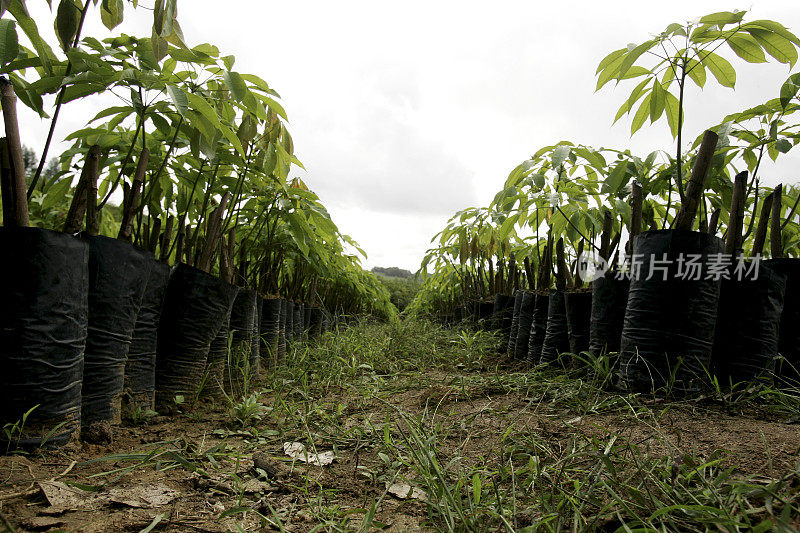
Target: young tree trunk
[(713, 222), (19, 189), (512, 269), (605, 237), (131, 202), (77, 208), (733, 243), (213, 234), (577, 275), (187, 247), (492, 286), (763, 224), (226, 269), (529, 273), (155, 233), (7, 185), (775, 238), (636, 214), (92, 216), (694, 189), (166, 239), (562, 273), (179, 240)]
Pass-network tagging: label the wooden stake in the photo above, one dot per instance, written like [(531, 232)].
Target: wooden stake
[(131, 203), (763, 224), (775, 238), (694, 189), (77, 208), (19, 188), (733, 243)]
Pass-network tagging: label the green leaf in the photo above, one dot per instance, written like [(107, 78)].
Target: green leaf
[(112, 13), (56, 193), (560, 153), (631, 57), (747, 48), (616, 55), (610, 71), (637, 93), (672, 107), (779, 47), (272, 104), (614, 180), (657, 100), (775, 27), (783, 145), (159, 46), (18, 11), (722, 70), (66, 24), (641, 115), (236, 85), (178, 98), (723, 17), (697, 72), (9, 43), (789, 89)]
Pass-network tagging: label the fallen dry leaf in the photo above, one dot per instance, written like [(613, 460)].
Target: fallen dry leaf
[(61, 496), (297, 451), (405, 491)]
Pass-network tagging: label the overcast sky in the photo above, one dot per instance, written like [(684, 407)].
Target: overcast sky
[(403, 113)]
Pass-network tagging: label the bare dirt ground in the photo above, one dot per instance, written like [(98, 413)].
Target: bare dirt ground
[(204, 471)]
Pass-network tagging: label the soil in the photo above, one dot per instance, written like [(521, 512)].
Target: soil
[(206, 471)]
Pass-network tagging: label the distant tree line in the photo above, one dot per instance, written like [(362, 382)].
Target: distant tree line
[(393, 272)]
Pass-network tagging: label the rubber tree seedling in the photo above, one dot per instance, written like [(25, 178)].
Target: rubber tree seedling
[(684, 53)]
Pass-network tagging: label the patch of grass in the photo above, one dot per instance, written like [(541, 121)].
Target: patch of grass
[(496, 446)]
